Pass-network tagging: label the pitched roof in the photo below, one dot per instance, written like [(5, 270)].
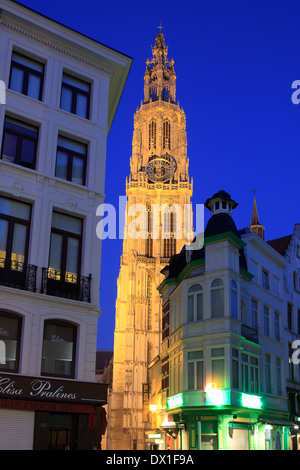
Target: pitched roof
[(280, 244)]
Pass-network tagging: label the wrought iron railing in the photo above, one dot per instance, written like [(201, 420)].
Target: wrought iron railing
[(67, 285), (251, 334), (18, 275)]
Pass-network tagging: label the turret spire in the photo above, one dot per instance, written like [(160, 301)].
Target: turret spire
[(160, 77), (255, 225)]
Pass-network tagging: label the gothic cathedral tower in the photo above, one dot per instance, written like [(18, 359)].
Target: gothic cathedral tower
[(158, 178)]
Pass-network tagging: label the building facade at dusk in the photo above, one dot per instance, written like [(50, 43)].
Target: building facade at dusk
[(62, 91), (228, 375), (158, 177)]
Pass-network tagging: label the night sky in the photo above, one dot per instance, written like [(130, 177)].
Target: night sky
[(235, 63)]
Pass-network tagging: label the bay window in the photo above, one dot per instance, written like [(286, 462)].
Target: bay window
[(195, 303)]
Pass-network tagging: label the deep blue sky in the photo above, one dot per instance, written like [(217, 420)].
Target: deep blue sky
[(235, 62)]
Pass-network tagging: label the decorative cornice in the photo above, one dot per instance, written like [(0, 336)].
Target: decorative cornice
[(51, 44)]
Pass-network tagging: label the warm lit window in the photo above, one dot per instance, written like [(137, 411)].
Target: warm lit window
[(65, 248), (26, 76), (14, 233), (10, 334), (71, 160), (59, 345), (20, 141), (75, 96)]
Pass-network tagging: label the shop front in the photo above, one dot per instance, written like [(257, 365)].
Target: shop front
[(49, 414)]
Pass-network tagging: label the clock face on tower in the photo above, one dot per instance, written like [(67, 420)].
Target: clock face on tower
[(160, 169)]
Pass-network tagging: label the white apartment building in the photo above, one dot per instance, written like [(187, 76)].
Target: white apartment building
[(231, 316), (62, 91)]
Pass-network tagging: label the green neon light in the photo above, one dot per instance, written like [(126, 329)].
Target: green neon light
[(176, 400), (251, 401)]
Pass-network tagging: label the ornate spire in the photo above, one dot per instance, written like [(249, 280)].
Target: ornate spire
[(255, 225), (160, 77)]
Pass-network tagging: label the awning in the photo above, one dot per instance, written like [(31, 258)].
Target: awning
[(275, 422)]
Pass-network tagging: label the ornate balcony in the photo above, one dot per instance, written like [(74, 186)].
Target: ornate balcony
[(17, 275), (251, 334), (66, 285)]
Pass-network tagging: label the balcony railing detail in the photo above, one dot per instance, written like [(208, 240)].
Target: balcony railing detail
[(66, 285), (18, 275), (251, 334)]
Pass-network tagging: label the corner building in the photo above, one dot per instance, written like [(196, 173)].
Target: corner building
[(231, 313), (158, 176), (62, 90)]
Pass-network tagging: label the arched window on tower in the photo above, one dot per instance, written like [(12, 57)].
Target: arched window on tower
[(167, 135), (152, 134)]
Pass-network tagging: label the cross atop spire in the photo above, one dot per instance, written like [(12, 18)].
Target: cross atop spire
[(160, 27)]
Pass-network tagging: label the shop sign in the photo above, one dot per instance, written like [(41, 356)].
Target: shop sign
[(47, 389)]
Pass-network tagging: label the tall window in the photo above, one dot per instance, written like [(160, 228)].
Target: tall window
[(169, 240), (59, 345), (277, 325), (195, 303), (75, 96), (266, 320), (19, 143), (278, 376), (14, 233), (26, 76), (268, 373), (218, 366), (235, 368), (265, 279), (217, 298), (71, 160), (65, 247), (167, 135), (292, 372), (195, 370), (149, 300), (289, 316), (234, 302), (10, 334), (254, 308), (149, 239), (152, 135), (253, 374)]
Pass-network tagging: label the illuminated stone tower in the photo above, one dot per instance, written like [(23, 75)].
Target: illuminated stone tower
[(158, 179)]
